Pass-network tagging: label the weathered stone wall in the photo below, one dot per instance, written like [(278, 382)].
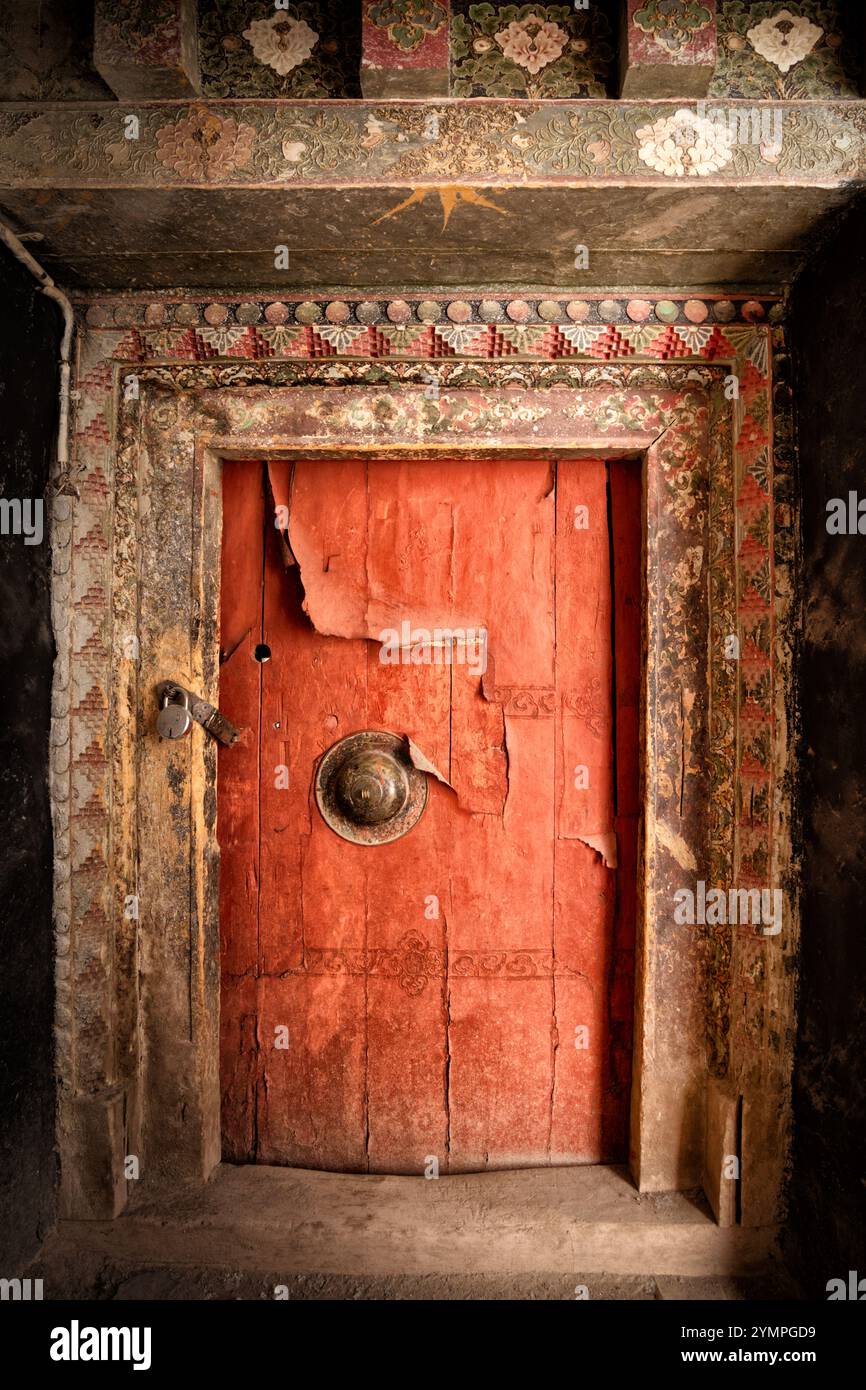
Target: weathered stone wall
[(29, 338), (827, 1198)]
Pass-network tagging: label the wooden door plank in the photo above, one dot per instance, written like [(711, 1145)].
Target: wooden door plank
[(583, 655), (585, 885), (238, 800), (312, 1101), (407, 1058), (626, 490), (312, 1110), (502, 1024)]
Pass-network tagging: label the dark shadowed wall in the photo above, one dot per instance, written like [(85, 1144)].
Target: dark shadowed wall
[(828, 1193), (30, 331)]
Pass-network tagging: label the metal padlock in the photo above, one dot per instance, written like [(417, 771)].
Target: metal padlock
[(174, 719)]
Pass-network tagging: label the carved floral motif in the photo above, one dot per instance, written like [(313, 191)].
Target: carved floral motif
[(320, 141), (784, 39), (281, 42), (148, 32), (672, 23), (249, 48), (686, 144), (408, 22), (532, 43), (414, 962), (384, 145), (807, 49), (204, 144), (530, 50)]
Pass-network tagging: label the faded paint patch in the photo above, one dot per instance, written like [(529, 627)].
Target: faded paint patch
[(675, 846)]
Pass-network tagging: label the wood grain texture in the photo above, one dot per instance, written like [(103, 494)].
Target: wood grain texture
[(429, 990)]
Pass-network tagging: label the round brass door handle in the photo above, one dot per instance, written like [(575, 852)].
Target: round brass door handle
[(370, 786), (367, 788)]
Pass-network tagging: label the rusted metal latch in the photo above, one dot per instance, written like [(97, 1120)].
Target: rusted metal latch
[(179, 707)]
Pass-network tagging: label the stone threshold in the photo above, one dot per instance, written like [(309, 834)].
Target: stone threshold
[(527, 1234)]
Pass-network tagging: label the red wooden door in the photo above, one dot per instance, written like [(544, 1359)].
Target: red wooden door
[(463, 993)]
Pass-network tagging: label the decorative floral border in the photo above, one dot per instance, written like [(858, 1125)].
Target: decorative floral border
[(240, 144)]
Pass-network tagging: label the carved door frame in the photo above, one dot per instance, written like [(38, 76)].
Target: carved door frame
[(137, 597)]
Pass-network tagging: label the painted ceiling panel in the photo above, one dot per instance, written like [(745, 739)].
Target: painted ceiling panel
[(662, 238)]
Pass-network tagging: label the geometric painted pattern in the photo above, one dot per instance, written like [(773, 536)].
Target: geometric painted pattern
[(596, 328)]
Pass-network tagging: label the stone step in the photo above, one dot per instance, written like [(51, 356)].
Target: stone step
[(548, 1230)]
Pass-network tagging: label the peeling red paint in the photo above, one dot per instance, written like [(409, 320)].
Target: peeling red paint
[(435, 990)]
